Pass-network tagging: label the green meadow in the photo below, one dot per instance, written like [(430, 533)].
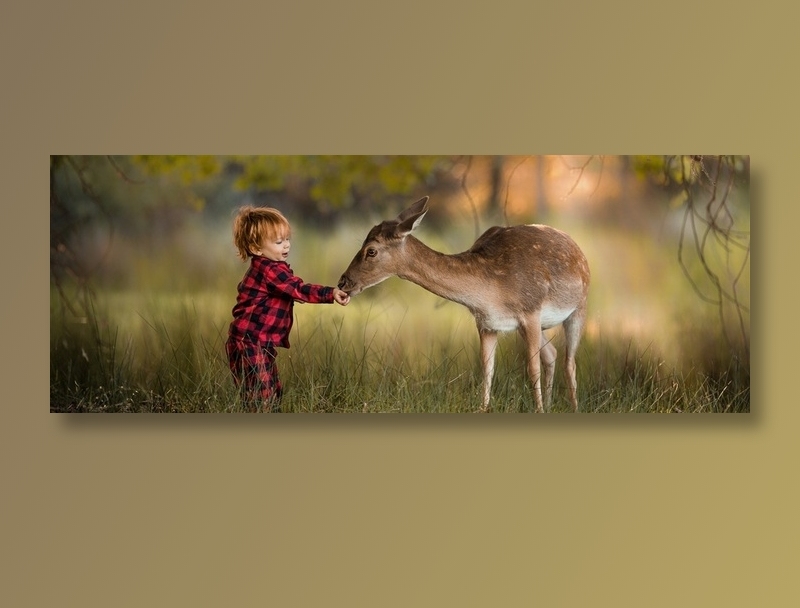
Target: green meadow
[(152, 332)]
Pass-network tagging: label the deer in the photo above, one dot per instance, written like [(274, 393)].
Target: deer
[(527, 278)]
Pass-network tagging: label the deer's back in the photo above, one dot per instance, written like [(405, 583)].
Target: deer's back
[(540, 263)]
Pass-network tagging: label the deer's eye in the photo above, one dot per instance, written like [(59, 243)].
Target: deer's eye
[(371, 252)]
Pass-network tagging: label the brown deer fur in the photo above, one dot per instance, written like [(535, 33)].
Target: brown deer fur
[(529, 278)]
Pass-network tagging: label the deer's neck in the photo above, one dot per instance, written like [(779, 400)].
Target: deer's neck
[(454, 277)]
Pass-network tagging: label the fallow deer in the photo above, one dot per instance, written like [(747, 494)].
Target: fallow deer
[(529, 278)]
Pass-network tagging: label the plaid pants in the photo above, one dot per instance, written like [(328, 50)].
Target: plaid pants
[(255, 373)]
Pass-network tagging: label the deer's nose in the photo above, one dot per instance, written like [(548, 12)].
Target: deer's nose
[(342, 282)]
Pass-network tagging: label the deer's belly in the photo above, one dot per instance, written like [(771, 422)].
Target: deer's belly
[(499, 322), (502, 321), (554, 316)]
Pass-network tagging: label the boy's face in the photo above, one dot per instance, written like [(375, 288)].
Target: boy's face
[(275, 248)]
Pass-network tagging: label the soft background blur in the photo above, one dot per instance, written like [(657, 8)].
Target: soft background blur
[(142, 264)]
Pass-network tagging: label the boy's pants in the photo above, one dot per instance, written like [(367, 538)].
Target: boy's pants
[(255, 373)]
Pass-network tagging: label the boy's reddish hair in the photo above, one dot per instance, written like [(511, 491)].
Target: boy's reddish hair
[(254, 224)]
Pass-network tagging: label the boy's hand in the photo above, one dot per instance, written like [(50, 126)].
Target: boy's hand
[(340, 297)]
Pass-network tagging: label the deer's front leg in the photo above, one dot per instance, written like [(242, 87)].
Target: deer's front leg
[(488, 347)]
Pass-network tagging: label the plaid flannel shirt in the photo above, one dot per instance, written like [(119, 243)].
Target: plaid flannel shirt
[(263, 310)]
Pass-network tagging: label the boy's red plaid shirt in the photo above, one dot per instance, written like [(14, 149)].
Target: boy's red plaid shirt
[(263, 310)]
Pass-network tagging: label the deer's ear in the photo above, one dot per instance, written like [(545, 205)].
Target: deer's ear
[(411, 217)]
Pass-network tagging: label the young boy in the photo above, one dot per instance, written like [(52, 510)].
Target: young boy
[(262, 316)]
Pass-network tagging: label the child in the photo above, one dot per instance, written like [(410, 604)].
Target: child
[(262, 316)]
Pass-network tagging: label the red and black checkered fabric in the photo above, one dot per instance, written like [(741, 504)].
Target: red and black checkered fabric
[(262, 318), (263, 310), (255, 373)]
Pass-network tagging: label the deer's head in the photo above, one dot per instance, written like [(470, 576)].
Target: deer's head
[(376, 261)]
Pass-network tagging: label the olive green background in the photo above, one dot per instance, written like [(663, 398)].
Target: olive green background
[(201, 510)]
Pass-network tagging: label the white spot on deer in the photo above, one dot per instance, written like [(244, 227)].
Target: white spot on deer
[(552, 316)]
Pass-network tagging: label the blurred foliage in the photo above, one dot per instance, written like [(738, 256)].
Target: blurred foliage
[(189, 168), (676, 171), (337, 181), (130, 187)]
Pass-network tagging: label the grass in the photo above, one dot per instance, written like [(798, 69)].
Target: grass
[(153, 340), (398, 351)]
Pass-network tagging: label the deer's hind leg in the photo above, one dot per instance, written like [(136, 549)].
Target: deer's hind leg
[(531, 332), (573, 330), (548, 355)]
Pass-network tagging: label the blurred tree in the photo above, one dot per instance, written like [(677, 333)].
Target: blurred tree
[(704, 186), (90, 202), (494, 199), (74, 205)]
